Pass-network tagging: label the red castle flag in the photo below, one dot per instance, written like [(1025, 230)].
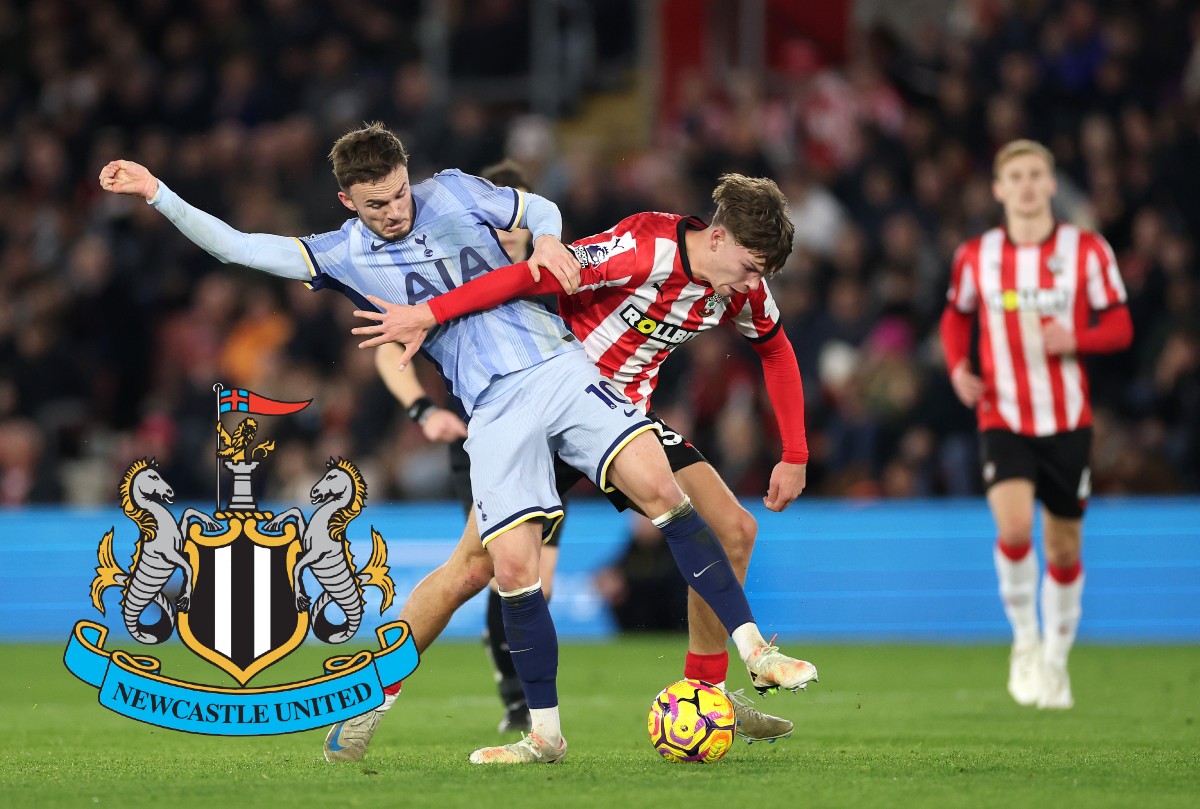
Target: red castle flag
[(240, 400)]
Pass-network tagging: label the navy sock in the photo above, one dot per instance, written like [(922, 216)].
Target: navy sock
[(497, 643), (706, 568), (533, 644)]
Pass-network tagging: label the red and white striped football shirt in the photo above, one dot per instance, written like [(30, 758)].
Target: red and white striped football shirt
[(1015, 288), (637, 300)]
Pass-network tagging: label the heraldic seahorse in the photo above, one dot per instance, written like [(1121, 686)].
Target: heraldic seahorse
[(325, 550), (159, 552)]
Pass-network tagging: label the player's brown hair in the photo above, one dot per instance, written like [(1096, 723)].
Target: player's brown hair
[(755, 212), (507, 174), (1016, 148), (366, 155)]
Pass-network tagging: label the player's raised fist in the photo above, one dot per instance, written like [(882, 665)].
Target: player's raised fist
[(127, 177)]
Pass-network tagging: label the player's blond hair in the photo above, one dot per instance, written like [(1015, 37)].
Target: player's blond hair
[(366, 155), (755, 212), (1016, 148)]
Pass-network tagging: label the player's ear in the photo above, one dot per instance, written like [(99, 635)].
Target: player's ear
[(716, 238), (349, 203)]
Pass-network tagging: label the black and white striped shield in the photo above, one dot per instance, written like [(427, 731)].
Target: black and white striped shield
[(243, 615)]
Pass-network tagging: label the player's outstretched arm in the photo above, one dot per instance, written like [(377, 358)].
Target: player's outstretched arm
[(277, 255), (395, 323)]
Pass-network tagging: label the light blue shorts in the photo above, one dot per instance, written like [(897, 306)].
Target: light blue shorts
[(561, 406)]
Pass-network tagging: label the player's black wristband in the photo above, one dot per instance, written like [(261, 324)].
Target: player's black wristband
[(420, 408)]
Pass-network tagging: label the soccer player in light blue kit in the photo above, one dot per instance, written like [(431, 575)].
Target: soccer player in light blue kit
[(522, 377)]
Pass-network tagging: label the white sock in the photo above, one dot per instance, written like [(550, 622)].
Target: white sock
[(748, 638), (720, 685), (1018, 588), (1062, 607), (546, 724)]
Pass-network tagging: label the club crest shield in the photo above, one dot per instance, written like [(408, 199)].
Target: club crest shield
[(233, 584), (243, 616)]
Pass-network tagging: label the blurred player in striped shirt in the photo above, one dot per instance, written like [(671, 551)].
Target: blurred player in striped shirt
[(1044, 294)]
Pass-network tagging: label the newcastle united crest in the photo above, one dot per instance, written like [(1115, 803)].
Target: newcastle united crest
[(240, 599)]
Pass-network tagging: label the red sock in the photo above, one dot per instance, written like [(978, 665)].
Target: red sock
[(1014, 553), (393, 689), (1065, 575), (709, 668)]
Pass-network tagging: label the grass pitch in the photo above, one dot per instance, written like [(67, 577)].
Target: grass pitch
[(917, 726)]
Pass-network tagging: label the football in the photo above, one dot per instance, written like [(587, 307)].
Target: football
[(691, 721)]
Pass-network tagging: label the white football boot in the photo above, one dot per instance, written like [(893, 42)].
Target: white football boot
[(771, 670), (348, 740), (755, 726), (532, 749), (1025, 673), (1056, 688)]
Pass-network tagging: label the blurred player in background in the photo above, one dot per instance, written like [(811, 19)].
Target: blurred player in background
[(522, 378), (1044, 293), (445, 425), (647, 286)]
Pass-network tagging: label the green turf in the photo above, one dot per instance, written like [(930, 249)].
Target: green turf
[(887, 726)]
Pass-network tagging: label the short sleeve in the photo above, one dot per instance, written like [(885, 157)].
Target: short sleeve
[(498, 206), (754, 314), (328, 254), (963, 294), (610, 259), (1105, 288)]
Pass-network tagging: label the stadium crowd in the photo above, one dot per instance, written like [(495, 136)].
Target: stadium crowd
[(113, 328)]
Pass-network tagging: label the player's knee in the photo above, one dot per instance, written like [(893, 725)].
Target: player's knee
[(737, 537), (515, 573), (1061, 557), (466, 575), (1016, 533), (665, 494), (474, 577)]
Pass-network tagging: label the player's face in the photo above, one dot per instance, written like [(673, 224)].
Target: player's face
[(1025, 186), (385, 207), (733, 269)]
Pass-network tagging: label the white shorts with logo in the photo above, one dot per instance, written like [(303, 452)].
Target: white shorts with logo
[(561, 406)]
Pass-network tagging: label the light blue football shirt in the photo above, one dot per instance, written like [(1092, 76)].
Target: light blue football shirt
[(453, 240)]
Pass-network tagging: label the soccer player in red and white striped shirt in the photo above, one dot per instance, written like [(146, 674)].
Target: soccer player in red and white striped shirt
[(1044, 293), (648, 285)]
